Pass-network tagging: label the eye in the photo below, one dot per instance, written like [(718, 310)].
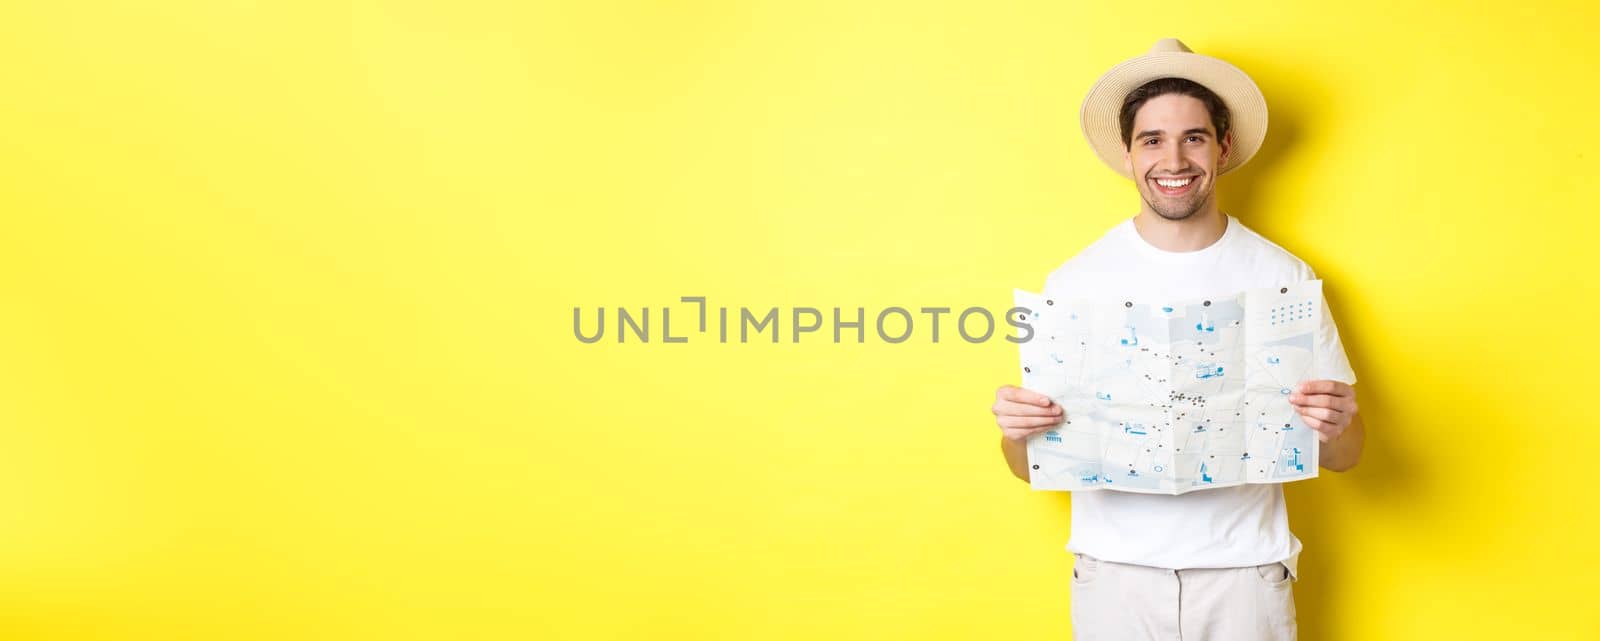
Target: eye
[(1197, 139), (1147, 141)]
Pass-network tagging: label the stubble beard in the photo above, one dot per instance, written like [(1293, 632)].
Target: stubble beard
[(1176, 210)]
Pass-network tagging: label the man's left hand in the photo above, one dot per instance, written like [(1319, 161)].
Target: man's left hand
[(1325, 406)]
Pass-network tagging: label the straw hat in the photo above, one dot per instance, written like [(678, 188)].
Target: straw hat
[(1169, 58)]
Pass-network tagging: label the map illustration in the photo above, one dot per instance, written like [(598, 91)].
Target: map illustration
[(1168, 398)]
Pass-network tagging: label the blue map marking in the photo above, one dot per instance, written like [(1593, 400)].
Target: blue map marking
[(1224, 312)]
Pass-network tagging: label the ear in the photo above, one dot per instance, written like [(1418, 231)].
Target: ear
[(1227, 149), (1127, 161)]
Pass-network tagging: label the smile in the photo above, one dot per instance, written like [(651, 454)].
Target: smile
[(1174, 186)]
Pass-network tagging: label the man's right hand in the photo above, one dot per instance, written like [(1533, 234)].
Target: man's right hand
[(1022, 413)]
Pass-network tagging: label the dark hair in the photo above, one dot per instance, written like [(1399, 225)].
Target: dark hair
[(1220, 118)]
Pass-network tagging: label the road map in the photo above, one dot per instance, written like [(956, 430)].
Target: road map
[(1172, 397)]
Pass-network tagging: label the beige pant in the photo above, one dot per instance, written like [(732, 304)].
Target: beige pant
[(1123, 602)]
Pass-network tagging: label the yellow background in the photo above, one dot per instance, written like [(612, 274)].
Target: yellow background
[(286, 326)]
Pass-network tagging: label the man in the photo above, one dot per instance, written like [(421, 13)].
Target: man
[(1210, 564)]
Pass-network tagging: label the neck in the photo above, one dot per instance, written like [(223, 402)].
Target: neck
[(1194, 233)]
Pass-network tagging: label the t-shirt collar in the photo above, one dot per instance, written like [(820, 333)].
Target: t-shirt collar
[(1144, 247)]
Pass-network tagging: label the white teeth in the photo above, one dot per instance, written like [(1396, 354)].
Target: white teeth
[(1173, 184)]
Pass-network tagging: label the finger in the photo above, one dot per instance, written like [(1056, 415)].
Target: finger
[(1321, 413), (1020, 395), (1326, 387), (1027, 422), (1343, 404), (1316, 400), (1317, 426), (1010, 408), (1038, 430)]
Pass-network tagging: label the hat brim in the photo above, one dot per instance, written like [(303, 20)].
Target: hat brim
[(1103, 106)]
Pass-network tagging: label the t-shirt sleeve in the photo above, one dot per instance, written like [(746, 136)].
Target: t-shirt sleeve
[(1332, 362)]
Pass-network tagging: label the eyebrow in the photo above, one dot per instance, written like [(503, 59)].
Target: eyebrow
[(1155, 132)]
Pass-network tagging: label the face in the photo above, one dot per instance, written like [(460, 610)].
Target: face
[(1174, 155)]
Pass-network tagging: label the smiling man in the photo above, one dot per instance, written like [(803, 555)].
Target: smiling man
[(1214, 564)]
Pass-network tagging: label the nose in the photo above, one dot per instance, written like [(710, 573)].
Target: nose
[(1172, 161)]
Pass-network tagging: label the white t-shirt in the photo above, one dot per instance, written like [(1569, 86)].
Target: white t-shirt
[(1234, 526)]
